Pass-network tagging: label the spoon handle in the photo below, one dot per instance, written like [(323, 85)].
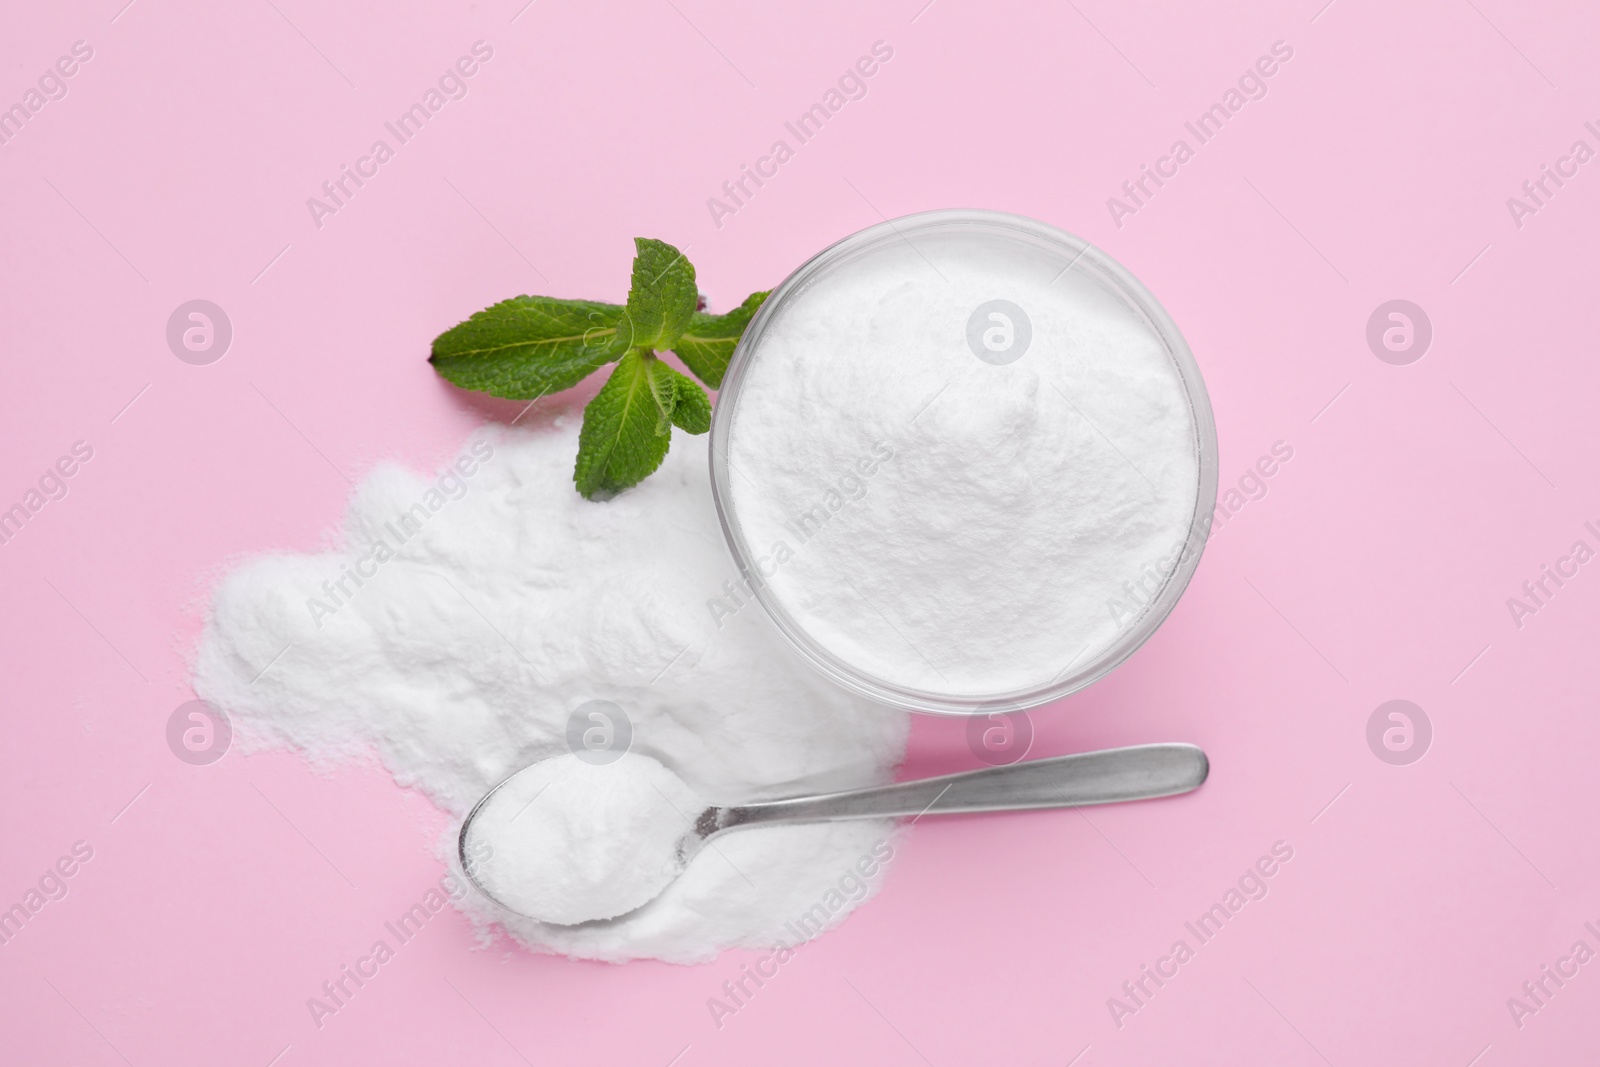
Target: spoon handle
[(1139, 772)]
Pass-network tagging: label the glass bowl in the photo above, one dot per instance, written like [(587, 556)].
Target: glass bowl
[(1037, 242)]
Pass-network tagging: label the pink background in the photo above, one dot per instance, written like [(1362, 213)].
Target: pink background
[(1418, 500)]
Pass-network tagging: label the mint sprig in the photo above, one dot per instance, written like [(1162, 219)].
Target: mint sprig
[(531, 346)]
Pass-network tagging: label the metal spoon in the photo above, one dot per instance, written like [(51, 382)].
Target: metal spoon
[(1139, 772)]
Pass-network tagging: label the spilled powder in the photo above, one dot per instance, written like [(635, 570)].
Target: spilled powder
[(469, 615)]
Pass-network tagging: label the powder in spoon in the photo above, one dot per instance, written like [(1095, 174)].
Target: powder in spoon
[(962, 466), (568, 841)]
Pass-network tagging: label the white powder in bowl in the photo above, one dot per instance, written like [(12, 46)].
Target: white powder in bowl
[(570, 841), (468, 616), (934, 516)]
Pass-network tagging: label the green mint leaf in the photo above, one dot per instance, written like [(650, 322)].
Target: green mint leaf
[(620, 443), (662, 298), (709, 340), (663, 390), (529, 346), (692, 412)]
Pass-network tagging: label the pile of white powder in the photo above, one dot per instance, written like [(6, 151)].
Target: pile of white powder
[(953, 522), (464, 618)]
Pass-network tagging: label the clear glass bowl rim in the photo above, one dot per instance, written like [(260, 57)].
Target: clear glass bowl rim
[(1115, 277)]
